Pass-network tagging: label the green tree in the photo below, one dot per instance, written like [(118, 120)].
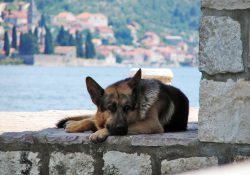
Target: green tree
[(64, 38), (79, 48), (36, 40), (118, 59), (6, 46), (49, 46), (123, 36), (89, 46), (60, 36), (27, 44), (21, 43), (72, 40), (14, 38), (42, 22)]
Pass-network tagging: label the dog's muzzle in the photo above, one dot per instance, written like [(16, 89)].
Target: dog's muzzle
[(119, 129)]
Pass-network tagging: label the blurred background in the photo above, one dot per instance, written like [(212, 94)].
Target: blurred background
[(48, 47)]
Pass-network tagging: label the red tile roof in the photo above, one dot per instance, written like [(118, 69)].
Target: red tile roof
[(17, 14), (104, 30)]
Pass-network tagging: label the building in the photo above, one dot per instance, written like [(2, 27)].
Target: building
[(33, 16), (16, 18), (105, 33), (63, 18), (150, 39), (69, 51), (93, 19), (2, 7), (23, 6)]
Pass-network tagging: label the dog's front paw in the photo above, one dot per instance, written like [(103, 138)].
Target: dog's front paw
[(71, 126), (99, 136)]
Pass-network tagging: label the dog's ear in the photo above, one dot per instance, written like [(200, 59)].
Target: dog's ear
[(134, 81), (94, 89)]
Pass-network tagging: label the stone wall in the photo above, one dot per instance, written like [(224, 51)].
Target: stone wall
[(54, 152), (224, 61), (30, 144)]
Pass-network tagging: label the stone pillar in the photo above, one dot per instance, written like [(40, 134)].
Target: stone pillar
[(224, 61)]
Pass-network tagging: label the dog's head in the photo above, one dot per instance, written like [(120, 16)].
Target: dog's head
[(118, 102)]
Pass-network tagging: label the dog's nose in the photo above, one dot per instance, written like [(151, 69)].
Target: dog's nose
[(120, 127)]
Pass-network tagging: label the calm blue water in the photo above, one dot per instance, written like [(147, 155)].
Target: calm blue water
[(28, 88)]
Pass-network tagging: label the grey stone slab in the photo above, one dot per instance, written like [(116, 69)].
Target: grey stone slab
[(71, 163), (116, 162), (50, 135), (59, 136), (166, 139), (224, 111), (14, 137), (187, 164), (19, 162), (226, 4), (220, 45)]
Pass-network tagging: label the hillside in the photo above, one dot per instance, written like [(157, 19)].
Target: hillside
[(166, 16)]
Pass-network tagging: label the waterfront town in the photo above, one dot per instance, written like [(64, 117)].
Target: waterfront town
[(109, 46)]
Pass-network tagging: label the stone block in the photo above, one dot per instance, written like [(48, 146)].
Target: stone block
[(220, 45), (240, 158), (186, 164), (226, 4), (167, 139), (122, 163), (59, 136), (70, 163), (224, 111), (19, 162)]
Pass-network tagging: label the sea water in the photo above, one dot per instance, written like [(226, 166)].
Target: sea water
[(30, 88)]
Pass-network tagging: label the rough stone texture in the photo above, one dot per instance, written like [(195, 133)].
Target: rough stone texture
[(236, 169), (220, 45), (224, 111), (240, 158), (122, 163), (18, 162), (59, 136), (187, 164), (166, 139), (226, 4), (70, 163)]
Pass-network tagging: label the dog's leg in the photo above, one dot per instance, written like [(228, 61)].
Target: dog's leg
[(150, 125), (61, 123), (99, 136), (80, 126)]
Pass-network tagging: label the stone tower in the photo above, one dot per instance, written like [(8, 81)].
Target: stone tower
[(33, 16)]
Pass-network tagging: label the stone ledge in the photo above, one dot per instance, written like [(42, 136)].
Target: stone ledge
[(226, 4), (58, 136)]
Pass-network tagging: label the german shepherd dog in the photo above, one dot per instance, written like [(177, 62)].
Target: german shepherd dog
[(131, 106)]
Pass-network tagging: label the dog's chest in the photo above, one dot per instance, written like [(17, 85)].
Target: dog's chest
[(148, 94)]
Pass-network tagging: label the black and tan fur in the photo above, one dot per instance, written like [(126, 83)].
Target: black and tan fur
[(131, 106)]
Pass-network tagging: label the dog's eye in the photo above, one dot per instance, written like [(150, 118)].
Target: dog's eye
[(126, 108), (112, 107)]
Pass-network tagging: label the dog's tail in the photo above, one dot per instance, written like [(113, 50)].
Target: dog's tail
[(61, 123)]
